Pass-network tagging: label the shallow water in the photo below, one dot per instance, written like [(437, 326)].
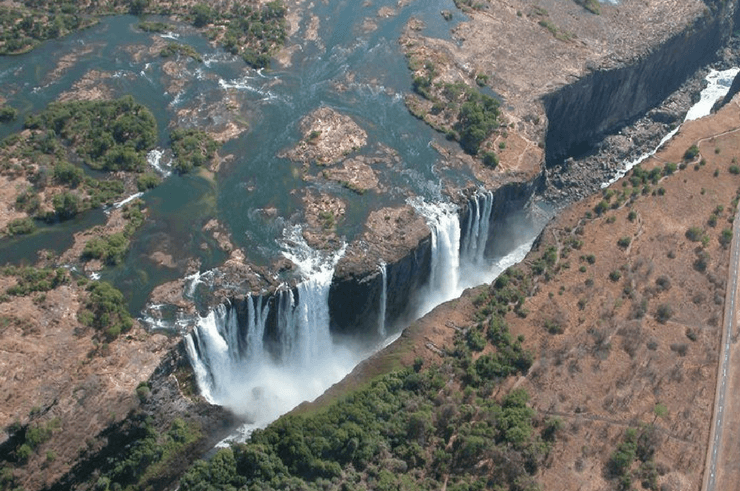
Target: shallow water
[(369, 65)]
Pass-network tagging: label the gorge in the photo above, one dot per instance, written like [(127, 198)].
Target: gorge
[(331, 217)]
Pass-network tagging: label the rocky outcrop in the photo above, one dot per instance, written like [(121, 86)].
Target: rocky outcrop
[(582, 113), (734, 89)]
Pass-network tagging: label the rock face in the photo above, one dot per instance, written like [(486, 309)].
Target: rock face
[(356, 291), (582, 113)]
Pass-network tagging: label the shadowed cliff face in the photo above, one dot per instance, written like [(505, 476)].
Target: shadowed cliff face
[(354, 300), (582, 113)]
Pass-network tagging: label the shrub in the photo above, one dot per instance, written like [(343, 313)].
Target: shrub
[(694, 234), (663, 313), (147, 180), (734, 169), (105, 310), (111, 249), (691, 152), (7, 114), (702, 261), (615, 275), (725, 237), (21, 226), (490, 159), (191, 148), (624, 242)]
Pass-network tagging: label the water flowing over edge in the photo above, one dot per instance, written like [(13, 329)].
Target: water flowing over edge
[(261, 368)]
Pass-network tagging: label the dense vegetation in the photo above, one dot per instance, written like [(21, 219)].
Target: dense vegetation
[(111, 249), (105, 310), (30, 280), (108, 135), (407, 430), (473, 116), (67, 137), (21, 29), (253, 32), (191, 148)]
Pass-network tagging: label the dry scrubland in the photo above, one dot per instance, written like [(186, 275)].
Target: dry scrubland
[(630, 317), (623, 317)]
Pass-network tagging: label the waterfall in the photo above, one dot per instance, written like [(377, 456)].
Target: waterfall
[(383, 300), (444, 223), (231, 360), (477, 229)]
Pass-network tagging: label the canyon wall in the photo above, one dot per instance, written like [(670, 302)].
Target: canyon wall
[(581, 114)]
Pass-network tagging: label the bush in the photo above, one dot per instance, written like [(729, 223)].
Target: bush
[(725, 237), (147, 180), (490, 159), (615, 275), (7, 114), (664, 313), (202, 15), (21, 226), (669, 168), (624, 242), (734, 169), (111, 249), (477, 119), (691, 153), (694, 234), (66, 205), (105, 310), (191, 148)]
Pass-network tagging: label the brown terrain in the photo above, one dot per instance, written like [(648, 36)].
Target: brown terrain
[(80, 385), (613, 354)]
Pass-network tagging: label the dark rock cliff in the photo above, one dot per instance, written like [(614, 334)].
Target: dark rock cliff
[(582, 113), (354, 300)]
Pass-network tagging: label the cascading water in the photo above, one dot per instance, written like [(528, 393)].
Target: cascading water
[(233, 365), (459, 260), (383, 300), (478, 224)]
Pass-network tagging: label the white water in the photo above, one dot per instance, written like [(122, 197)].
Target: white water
[(154, 159), (383, 300), (460, 262), (128, 200), (718, 85), (235, 367)]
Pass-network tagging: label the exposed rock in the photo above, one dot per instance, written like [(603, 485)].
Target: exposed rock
[(91, 87), (354, 175), (327, 138), (322, 213)]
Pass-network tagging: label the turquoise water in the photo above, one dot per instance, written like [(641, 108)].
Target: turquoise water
[(272, 102)]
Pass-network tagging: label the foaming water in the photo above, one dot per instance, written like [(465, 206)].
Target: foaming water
[(237, 368), (154, 159), (383, 300), (718, 84), (460, 261)]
